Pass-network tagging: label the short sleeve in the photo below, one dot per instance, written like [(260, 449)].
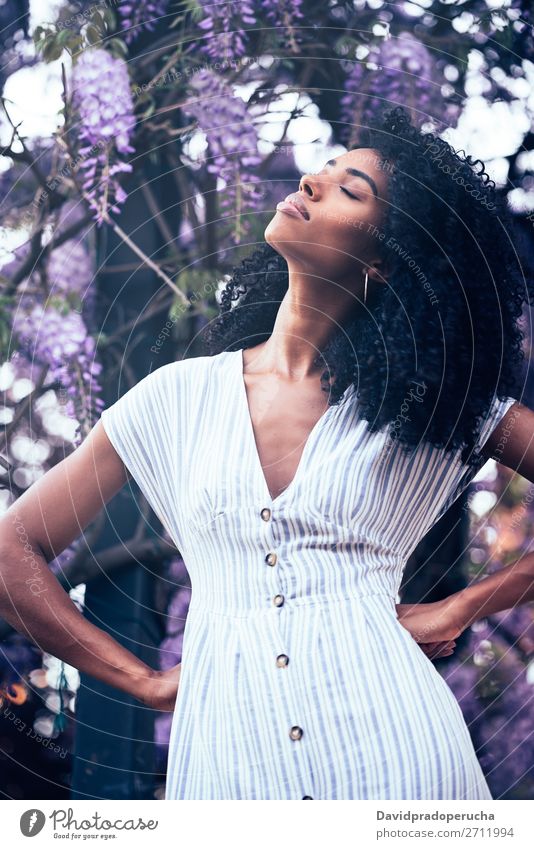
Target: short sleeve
[(498, 411), (141, 426), (467, 470)]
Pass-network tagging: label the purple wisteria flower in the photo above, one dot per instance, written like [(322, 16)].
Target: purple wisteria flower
[(405, 74), (223, 25), (61, 342), (69, 268), (285, 14), (232, 146), (103, 105), (136, 17)]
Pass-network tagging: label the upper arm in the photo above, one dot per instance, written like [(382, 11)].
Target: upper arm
[(139, 436), (53, 511), (512, 441)]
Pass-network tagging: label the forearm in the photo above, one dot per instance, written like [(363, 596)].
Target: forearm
[(501, 590), (34, 603)]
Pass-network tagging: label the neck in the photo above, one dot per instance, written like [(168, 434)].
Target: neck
[(312, 311)]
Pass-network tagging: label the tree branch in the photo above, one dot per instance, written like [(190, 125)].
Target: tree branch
[(146, 259)]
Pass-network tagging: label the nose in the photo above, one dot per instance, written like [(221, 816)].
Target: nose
[(310, 184)]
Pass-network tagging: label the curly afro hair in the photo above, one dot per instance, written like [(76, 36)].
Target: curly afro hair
[(449, 315)]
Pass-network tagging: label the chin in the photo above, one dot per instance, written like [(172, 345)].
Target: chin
[(270, 235), (275, 226), (279, 234)]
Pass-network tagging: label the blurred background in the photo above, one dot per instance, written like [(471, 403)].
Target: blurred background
[(144, 147)]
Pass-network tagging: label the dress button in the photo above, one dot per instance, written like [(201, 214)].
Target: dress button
[(282, 660), (307, 797), (265, 514), (278, 600), (271, 558), (295, 732)]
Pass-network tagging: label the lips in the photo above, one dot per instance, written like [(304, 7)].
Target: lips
[(296, 201)]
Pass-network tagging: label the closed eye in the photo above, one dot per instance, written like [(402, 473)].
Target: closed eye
[(343, 189)]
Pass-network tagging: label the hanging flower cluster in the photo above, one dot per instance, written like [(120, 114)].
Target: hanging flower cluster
[(232, 146), (61, 342), (223, 25), (285, 14), (137, 17), (405, 73), (103, 106), (70, 275), (47, 330), (69, 269)]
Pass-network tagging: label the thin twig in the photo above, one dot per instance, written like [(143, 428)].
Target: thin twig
[(157, 214), (38, 251), (134, 322), (114, 226), (143, 256), (26, 156)]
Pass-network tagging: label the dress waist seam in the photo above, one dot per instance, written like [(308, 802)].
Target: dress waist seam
[(199, 607)]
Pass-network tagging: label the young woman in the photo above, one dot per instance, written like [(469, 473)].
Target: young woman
[(365, 364)]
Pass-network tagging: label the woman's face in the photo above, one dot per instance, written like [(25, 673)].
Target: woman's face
[(343, 205)]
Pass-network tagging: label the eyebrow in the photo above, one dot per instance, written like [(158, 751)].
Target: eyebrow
[(355, 173)]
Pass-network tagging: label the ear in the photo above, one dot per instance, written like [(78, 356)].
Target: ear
[(378, 271)]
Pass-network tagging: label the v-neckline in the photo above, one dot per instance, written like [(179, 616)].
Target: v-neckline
[(332, 408)]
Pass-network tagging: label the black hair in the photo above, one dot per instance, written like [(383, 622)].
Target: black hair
[(448, 319)]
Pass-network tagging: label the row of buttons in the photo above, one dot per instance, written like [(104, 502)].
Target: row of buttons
[(282, 660), (271, 558)]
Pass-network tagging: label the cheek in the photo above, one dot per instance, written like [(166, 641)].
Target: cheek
[(330, 243), (338, 230), (346, 236), (342, 226)]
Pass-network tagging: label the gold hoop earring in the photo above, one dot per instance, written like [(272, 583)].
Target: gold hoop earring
[(365, 288)]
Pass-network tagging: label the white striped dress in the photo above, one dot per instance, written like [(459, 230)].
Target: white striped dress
[(298, 681)]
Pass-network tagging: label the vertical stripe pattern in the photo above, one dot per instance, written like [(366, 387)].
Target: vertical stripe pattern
[(298, 681)]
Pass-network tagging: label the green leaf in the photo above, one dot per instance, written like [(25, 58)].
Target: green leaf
[(60, 303), (37, 34), (74, 300), (39, 46), (197, 282), (119, 46), (151, 108), (109, 18), (98, 20), (93, 35), (51, 50), (196, 10), (102, 340), (64, 37), (76, 43)]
